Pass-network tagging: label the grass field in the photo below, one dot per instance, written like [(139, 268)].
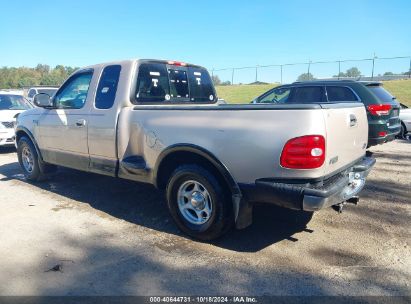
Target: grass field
[(400, 89), (245, 93)]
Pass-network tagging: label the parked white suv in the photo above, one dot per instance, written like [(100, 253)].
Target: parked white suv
[(11, 105), (405, 117)]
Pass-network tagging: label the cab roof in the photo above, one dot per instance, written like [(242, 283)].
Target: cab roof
[(131, 61)]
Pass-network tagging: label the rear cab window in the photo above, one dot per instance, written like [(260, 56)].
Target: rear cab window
[(159, 82)]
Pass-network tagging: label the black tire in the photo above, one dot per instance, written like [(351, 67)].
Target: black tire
[(403, 132), (40, 171), (221, 218)]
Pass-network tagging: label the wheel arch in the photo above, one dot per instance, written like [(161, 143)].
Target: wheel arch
[(22, 131), (166, 162), (180, 154)]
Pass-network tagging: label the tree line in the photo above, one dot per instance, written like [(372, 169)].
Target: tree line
[(42, 74), (353, 72)]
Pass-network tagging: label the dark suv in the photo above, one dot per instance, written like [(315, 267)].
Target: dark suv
[(382, 108)]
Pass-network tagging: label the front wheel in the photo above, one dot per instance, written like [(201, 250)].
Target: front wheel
[(198, 203), (29, 161)]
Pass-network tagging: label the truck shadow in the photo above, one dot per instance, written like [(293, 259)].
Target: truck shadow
[(144, 205)]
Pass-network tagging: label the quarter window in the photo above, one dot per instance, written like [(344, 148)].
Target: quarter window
[(107, 87), (335, 93), (382, 94), (73, 93)]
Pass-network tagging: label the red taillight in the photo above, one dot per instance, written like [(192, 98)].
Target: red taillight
[(178, 63), (306, 152), (382, 134), (379, 109)]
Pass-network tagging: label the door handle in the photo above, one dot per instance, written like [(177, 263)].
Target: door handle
[(353, 120), (80, 123)]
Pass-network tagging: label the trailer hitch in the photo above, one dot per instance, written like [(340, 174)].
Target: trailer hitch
[(352, 200)]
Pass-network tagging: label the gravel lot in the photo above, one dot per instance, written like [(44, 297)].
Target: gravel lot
[(115, 237)]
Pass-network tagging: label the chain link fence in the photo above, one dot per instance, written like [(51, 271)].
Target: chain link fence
[(376, 68)]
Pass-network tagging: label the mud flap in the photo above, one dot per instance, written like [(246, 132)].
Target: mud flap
[(243, 212)]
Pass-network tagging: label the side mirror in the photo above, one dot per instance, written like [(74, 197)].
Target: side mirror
[(43, 100)]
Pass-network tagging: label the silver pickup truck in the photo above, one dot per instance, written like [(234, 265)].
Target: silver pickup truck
[(159, 122)]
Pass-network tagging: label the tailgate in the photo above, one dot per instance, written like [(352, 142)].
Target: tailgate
[(347, 134)]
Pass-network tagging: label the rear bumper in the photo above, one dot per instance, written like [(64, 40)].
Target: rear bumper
[(311, 196), (375, 129), (381, 140)]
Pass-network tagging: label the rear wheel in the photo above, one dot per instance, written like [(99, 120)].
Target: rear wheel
[(198, 203), (30, 163)]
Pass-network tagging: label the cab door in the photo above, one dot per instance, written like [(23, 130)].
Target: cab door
[(102, 124), (63, 129)]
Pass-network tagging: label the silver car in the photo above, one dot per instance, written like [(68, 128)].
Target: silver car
[(405, 117)]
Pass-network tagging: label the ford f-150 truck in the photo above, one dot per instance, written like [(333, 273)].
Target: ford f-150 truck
[(159, 122)]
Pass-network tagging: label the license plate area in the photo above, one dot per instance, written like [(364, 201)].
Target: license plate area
[(355, 183)]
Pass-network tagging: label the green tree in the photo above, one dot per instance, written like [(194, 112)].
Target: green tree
[(305, 77), (42, 74), (42, 68), (216, 80), (341, 74), (353, 72)]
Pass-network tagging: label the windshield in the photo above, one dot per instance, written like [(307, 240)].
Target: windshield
[(13, 102), (382, 94), (49, 92), (158, 82)]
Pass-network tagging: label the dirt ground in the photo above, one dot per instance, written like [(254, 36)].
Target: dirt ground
[(115, 237)]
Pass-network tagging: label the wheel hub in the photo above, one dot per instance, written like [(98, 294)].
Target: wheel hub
[(27, 159), (194, 202), (198, 200)]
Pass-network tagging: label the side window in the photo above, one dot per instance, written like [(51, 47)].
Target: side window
[(279, 95), (73, 93), (31, 93), (152, 83), (307, 94), (107, 87), (340, 94)]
